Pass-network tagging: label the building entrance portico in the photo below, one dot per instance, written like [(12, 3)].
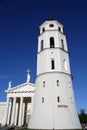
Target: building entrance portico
[(17, 110), (19, 104)]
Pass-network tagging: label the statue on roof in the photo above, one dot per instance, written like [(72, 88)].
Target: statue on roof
[(9, 85), (28, 76)]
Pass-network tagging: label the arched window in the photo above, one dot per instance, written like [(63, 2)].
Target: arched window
[(58, 99), (42, 99), (59, 29), (65, 65), (43, 29), (52, 45), (57, 82), (62, 44), (43, 83), (52, 64), (41, 45), (71, 100)]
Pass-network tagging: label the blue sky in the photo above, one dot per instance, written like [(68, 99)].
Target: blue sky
[(19, 29)]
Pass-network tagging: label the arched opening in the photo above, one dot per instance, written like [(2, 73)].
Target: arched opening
[(42, 99), (41, 45), (52, 64), (52, 45), (43, 83), (43, 29), (57, 82), (62, 44), (58, 99)]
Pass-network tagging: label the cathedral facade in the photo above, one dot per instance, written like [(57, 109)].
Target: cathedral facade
[(50, 102)]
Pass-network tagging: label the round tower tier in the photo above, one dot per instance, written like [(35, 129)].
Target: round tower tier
[(54, 59), (54, 104)]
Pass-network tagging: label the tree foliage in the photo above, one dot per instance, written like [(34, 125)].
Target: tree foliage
[(83, 116)]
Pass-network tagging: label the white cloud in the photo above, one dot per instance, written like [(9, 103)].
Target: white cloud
[(4, 76)]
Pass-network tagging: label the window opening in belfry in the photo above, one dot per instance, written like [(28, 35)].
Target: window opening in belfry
[(41, 45), (52, 42), (52, 64), (65, 65), (62, 44), (59, 29), (43, 29)]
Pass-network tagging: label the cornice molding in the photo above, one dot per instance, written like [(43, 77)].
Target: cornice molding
[(52, 72), (21, 91), (53, 49)]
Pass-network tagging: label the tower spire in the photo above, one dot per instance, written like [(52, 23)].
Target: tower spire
[(50, 15)]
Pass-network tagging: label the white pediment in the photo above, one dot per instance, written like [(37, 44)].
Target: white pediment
[(23, 88)]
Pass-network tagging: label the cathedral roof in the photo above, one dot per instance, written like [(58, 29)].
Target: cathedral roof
[(49, 22), (22, 88)]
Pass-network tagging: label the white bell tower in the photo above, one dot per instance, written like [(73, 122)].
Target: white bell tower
[(54, 103)]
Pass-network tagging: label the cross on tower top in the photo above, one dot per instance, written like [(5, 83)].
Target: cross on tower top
[(28, 71)]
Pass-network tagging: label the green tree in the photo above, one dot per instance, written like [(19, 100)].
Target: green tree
[(83, 116)]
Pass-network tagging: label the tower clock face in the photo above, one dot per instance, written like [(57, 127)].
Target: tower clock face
[(51, 25)]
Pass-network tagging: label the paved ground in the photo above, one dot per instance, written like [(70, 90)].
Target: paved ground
[(11, 128), (6, 128)]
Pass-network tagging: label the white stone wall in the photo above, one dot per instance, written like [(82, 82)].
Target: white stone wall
[(2, 112)]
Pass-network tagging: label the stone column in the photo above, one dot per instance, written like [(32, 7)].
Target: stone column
[(32, 101), (20, 112), (11, 106), (7, 110), (23, 113), (16, 114), (13, 111)]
